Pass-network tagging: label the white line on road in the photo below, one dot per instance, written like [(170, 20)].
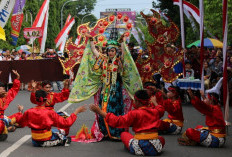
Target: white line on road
[(65, 107), (16, 145)]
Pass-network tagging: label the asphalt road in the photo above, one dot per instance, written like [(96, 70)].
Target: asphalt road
[(14, 147)]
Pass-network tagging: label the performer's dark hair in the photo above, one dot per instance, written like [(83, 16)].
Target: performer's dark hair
[(146, 84), (44, 83), (40, 94), (216, 96), (142, 94), (2, 84)]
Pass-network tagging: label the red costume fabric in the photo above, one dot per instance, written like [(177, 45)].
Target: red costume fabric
[(4, 102), (15, 118), (53, 98), (142, 120), (213, 114), (174, 123), (40, 120), (213, 119), (159, 97), (174, 109)]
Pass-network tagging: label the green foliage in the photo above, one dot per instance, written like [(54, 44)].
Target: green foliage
[(77, 9), (212, 18)]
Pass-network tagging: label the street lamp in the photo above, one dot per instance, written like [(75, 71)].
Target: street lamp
[(61, 12), (84, 17), (92, 24)]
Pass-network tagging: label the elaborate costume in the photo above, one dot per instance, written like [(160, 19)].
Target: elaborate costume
[(159, 59), (213, 135), (4, 103), (40, 120), (174, 123), (53, 98), (112, 77), (144, 122)]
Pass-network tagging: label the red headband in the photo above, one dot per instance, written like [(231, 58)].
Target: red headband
[(173, 90), (143, 101)]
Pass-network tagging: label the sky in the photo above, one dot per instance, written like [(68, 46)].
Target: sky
[(135, 5)]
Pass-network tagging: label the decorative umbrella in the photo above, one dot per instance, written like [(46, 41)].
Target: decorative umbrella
[(208, 42), (23, 47)]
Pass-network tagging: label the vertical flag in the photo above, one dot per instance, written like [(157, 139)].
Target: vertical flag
[(202, 41), (62, 45), (62, 36), (6, 7), (225, 75), (16, 20), (190, 9), (41, 20)]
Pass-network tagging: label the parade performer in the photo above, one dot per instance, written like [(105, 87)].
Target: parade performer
[(154, 92), (40, 120), (144, 121), (5, 100), (214, 135), (112, 74), (52, 98), (174, 123)]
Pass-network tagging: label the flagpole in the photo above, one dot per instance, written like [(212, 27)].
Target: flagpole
[(225, 75), (182, 24), (202, 41)]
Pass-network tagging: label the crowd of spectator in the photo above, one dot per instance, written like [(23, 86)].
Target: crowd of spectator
[(7, 55)]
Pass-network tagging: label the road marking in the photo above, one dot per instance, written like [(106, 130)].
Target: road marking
[(16, 145), (65, 107)]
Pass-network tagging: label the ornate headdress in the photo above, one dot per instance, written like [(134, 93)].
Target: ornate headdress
[(159, 61), (75, 52)]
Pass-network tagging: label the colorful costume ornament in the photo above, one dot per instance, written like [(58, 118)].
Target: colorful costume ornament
[(214, 135), (114, 78), (159, 61), (75, 52)]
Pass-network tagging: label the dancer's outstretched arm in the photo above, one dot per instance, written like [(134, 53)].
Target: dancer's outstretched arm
[(92, 45)]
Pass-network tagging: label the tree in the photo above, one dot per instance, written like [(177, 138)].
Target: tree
[(212, 18), (77, 9)]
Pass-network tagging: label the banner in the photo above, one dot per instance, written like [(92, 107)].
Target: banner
[(16, 20), (6, 7), (32, 33)]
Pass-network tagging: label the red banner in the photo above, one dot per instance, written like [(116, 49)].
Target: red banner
[(16, 22)]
